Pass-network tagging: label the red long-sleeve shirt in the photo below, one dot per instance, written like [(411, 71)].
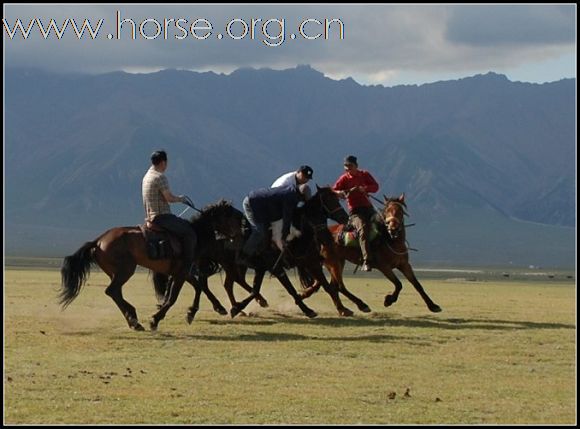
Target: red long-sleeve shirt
[(360, 178)]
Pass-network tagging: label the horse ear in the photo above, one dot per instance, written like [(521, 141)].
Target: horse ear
[(402, 197), (386, 199)]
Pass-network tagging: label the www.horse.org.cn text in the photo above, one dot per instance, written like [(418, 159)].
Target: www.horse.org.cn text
[(271, 32)]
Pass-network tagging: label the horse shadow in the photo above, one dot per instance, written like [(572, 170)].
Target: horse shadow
[(374, 321)]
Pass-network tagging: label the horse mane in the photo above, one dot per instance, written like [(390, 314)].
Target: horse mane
[(212, 210)]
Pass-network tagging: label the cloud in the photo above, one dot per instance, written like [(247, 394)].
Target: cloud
[(380, 42), (478, 25)]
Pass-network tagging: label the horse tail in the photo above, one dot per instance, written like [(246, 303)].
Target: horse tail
[(75, 272), (161, 283), (306, 279)]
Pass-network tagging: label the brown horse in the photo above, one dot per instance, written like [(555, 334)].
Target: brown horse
[(221, 254), (119, 250), (302, 252), (388, 251)]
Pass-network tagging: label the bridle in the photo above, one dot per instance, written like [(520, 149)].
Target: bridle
[(326, 209), (320, 227), (390, 218)]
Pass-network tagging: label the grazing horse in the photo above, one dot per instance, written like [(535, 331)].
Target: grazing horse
[(388, 251), (119, 250), (302, 252)]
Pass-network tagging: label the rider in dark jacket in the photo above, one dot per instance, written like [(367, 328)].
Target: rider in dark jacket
[(265, 206)]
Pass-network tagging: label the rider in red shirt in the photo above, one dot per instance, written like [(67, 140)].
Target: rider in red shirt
[(355, 185)]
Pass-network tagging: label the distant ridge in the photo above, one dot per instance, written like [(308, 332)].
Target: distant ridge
[(481, 147)]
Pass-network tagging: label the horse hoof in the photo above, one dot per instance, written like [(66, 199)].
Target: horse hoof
[(221, 310), (345, 312), (138, 327), (189, 318), (262, 303), (435, 309), (153, 325), (389, 300), (365, 309), (311, 314), (234, 311)]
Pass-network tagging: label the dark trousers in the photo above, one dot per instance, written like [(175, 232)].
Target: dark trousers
[(181, 228), (361, 218)]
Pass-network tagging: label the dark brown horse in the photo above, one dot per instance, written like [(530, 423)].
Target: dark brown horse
[(119, 250), (219, 255), (388, 251), (302, 252)]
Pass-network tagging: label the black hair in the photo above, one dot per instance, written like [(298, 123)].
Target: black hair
[(158, 156), (351, 160)]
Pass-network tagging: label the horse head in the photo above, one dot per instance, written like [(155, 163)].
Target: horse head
[(393, 214), (330, 204)]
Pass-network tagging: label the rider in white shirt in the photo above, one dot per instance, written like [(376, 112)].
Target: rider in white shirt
[(298, 178), (295, 178)]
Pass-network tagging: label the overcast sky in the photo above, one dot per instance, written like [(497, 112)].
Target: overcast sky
[(381, 44)]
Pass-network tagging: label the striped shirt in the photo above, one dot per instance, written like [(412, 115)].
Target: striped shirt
[(154, 183)]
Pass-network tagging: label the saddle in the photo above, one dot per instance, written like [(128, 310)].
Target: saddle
[(349, 235), (159, 242)]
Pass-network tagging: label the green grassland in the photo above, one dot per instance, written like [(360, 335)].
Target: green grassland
[(501, 352)]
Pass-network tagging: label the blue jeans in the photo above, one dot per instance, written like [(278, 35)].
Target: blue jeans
[(259, 231)]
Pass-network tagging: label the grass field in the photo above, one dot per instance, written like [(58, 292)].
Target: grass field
[(501, 352)]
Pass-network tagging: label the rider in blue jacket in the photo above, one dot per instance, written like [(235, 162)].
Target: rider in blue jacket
[(265, 206)]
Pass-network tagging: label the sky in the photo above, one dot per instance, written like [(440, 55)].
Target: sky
[(382, 44)]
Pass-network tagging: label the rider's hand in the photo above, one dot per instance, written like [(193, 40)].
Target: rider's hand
[(280, 244)]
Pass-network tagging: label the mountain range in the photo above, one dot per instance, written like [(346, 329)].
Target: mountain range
[(487, 165)]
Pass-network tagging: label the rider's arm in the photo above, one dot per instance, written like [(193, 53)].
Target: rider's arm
[(170, 198), (371, 184)]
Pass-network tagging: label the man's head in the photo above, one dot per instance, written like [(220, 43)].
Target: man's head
[(304, 174), (159, 159), (350, 163)]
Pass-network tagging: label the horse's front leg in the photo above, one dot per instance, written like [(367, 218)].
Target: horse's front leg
[(407, 270), (258, 278), (217, 305), (285, 281), (171, 297), (192, 311), (390, 299), (335, 268), (262, 302)]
